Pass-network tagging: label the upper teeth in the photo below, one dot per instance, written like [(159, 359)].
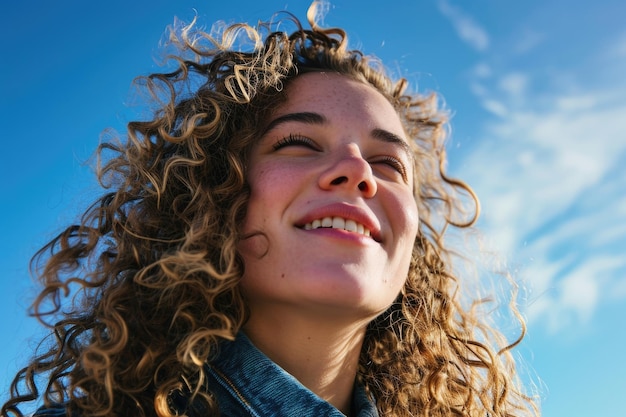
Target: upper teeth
[(338, 223)]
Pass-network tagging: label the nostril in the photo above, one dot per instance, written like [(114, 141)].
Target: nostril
[(339, 180), (362, 186)]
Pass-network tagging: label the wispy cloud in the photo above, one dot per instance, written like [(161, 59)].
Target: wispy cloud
[(527, 40), (551, 176), (618, 50), (468, 30)]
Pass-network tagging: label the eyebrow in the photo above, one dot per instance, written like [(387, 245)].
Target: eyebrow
[(319, 119), (302, 117)]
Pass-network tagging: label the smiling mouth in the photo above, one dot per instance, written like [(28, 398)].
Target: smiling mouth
[(338, 223)]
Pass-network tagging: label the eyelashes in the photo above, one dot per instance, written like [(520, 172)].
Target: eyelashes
[(394, 163), (295, 140)]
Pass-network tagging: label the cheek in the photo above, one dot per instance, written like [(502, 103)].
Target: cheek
[(269, 181), (271, 189), (262, 189), (406, 226), (404, 215)]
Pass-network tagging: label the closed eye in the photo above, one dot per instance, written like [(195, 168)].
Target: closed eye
[(295, 140), (395, 164)]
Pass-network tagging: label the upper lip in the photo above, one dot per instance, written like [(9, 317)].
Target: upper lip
[(347, 211)]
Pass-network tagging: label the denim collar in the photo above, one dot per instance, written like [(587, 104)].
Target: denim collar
[(244, 380)]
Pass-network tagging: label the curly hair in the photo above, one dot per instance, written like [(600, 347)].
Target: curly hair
[(153, 268)]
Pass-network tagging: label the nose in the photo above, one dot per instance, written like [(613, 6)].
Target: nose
[(349, 171)]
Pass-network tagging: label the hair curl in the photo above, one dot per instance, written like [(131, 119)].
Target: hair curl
[(154, 268)]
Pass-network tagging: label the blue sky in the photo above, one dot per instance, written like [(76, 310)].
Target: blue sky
[(538, 98)]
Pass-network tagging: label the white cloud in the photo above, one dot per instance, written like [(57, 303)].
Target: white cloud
[(552, 180), (618, 289), (468, 30), (514, 84), (618, 49), (527, 40), (495, 107), (482, 70), (574, 298), (574, 103), (550, 166)]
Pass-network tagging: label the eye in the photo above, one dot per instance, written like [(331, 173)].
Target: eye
[(395, 163), (295, 140)]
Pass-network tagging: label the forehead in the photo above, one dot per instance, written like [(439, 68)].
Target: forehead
[(339, 98)]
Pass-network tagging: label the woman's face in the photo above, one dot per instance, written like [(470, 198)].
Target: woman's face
[(331, 195)]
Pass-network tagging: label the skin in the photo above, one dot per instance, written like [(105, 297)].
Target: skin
[(335, 148)]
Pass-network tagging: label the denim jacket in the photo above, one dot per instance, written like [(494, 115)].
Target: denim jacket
[(246, 383)]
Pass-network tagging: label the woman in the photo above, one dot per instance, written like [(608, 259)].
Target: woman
[(271, 244)]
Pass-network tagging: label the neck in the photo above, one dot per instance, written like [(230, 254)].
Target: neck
[(322, 354)]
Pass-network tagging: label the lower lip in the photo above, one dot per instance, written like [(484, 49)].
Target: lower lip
[(339, 234)]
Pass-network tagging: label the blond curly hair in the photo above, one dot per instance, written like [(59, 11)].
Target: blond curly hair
[(153, 267)]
